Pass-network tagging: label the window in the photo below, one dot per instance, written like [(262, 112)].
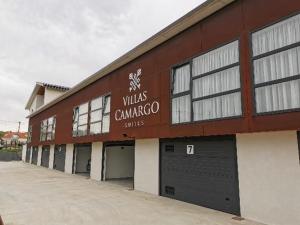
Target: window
[(210, 85), (48, 129), (92, 117), (276, 65), (181, 102), (29, 137), (80, 120)]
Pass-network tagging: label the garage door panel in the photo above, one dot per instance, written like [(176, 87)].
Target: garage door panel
[(45, 156), (28, 151), (59, 157), (34, 156), (207, 178)]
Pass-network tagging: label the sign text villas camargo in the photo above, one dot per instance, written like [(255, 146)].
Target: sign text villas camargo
[(136, 106)]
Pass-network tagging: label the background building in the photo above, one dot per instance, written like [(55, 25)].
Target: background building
[(206, 111)]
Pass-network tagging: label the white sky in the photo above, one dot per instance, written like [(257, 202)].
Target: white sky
[(64, 41)]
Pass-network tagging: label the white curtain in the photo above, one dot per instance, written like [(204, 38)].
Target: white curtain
[(216, 83), (215, 59), (84, 108), (182, 79), (96, 103), (105, 124), (277, 36), (278, 97), (83, 119), (277, 66), (218, 107), (181, 109), (107, 104), (95, 128), (96, 116)]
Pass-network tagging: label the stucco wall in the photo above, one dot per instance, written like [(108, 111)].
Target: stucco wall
[(24, 149), (146, 176), (119, 162), (96, 164), (69, 158), (51, 156), (51, 95), (39, 157), (269, 177)]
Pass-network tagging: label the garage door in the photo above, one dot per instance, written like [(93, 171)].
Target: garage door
[(201, 171), (28, 151), (34, 155), (59, 157), (45, 156)]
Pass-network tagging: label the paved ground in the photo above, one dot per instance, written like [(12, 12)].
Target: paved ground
[(39, 196)]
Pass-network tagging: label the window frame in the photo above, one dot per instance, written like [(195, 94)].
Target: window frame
[(190, 92), (266, 54), (52, 132), (81, 125), (88, 124)]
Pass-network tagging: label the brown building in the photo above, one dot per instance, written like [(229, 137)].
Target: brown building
[(206, 111)]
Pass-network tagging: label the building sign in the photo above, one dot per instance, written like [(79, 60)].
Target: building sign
[(136, 105)]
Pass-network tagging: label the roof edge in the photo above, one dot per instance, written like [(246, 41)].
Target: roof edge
[(191, 18)]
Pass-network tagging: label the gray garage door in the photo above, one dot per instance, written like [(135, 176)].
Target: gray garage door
[(59, 157), (201, 171), (45, 156), (34, 155), (28, 155)]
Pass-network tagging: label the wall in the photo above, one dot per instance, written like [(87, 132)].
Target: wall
[(269, 177), (39, 157), (51, 95), (146, 177), (244, 17), (24, 149), (69, 158), (51, 156), (119, 162), (96, 164)]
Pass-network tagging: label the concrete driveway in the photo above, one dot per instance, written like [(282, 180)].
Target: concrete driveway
[(39, 196)]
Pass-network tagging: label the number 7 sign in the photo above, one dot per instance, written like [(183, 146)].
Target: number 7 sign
[(190, 149)]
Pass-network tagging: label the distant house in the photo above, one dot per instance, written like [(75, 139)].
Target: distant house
[(42, 94), (10, 138)]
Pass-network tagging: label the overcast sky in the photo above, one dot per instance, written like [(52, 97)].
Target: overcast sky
[(62, 42)]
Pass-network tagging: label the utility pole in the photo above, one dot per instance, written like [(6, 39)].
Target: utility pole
[(19, 126)]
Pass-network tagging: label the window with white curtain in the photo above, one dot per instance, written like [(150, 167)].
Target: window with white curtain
[(276, 66), (181, 97), (216, 84), (47, 132), (209, 86), (80, 120), (92, 117)]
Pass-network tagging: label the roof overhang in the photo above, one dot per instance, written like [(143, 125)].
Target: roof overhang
[(33, 94), (201, 12)]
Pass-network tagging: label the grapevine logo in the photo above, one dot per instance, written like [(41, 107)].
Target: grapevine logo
[(134, 80), (136, 105)]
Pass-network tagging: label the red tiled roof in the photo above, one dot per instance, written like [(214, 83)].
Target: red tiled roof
[(10, 134)]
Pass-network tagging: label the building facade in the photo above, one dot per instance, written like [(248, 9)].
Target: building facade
[(206, 112)]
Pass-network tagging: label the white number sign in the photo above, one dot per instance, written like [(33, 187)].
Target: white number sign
[(190, 149)]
